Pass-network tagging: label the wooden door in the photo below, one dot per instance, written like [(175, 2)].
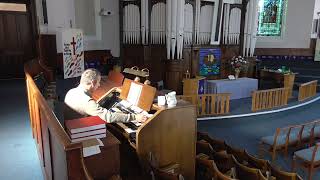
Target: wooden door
[(17, 43)]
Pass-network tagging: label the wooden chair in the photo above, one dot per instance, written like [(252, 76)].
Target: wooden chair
[(274, 143), (258, 163), (308, 159), (237, 153), (316, 131), (294, 138), (245, 173), (163, 175), (169, 172), (217, 145), (204, 147), (307, 135), (278, 174), (223, 160), (207, 170)]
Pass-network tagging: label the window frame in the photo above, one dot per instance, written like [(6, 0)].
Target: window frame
[(282, 35)]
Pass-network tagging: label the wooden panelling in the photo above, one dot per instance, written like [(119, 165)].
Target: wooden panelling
[(17, 43), (47, 50), (307, 90), (170, 135), (268, 99), (175, 70)]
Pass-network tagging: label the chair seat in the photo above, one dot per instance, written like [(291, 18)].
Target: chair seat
[(281, 140), (306, 154)]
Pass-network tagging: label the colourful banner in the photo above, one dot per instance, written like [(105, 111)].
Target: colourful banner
[(73, 55)]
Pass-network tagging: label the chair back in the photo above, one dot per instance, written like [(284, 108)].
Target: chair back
[(223, 161), (307, 135), (244, 172), (294, 134), (158, 174), (258, 163), (217, 144), (278, 174), (204, 147), (239, 154), (209, 170)]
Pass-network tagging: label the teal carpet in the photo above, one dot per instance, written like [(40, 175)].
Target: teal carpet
[(19, 158)]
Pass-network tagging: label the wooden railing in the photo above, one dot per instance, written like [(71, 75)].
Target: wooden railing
[(268, 99), (209, 104), (59, 157), (307, 90)]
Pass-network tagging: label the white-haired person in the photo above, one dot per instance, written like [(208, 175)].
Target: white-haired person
[(79, 99)]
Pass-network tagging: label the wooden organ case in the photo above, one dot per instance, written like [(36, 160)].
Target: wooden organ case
[(169, 134)]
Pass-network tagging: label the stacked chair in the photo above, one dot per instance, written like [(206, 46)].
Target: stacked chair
[(296, 137), (224, 162), (308, 159)]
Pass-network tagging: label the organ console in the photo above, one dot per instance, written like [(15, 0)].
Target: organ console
[(169, 134)]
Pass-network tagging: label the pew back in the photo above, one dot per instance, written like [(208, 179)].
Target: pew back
[(59, 158)]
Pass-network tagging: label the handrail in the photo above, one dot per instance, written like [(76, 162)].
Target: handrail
[(307, 90), (209, 104), (268, 99)]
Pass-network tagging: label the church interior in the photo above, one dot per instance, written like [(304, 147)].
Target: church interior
[(229, 89)]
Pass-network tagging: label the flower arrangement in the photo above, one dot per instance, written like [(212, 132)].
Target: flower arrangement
[(238, 62)]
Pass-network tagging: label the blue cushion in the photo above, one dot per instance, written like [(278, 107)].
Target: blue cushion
[(281, 140), (306, 154), (293, 136), (306, 133), (317, 131)]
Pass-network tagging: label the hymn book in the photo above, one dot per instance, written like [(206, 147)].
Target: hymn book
[(85, 124)]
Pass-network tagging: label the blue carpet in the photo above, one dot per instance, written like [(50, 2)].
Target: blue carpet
[(246, 132), (19, 158)]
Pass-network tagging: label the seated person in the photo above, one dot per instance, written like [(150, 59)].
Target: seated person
[(79, 99)]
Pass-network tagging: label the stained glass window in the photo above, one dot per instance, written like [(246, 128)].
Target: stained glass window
[(271, 17)]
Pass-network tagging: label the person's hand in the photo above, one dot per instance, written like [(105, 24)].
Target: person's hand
[(141, 118)]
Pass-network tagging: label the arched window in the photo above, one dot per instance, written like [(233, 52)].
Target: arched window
[(271, 15)]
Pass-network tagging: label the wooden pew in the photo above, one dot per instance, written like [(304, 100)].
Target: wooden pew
[(59, 158)]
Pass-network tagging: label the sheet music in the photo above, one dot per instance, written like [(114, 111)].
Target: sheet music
[(134, 93), (125, 103)]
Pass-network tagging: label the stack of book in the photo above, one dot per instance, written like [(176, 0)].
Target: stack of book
[(86, 128)]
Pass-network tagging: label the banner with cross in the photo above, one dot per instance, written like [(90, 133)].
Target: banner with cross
[(73, 54)]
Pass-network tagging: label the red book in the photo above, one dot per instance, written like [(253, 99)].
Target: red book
[(85, 124), (86, 133)]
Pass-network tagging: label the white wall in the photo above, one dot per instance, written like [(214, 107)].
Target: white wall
[(316, 9), (297, 27), (61, 13)]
